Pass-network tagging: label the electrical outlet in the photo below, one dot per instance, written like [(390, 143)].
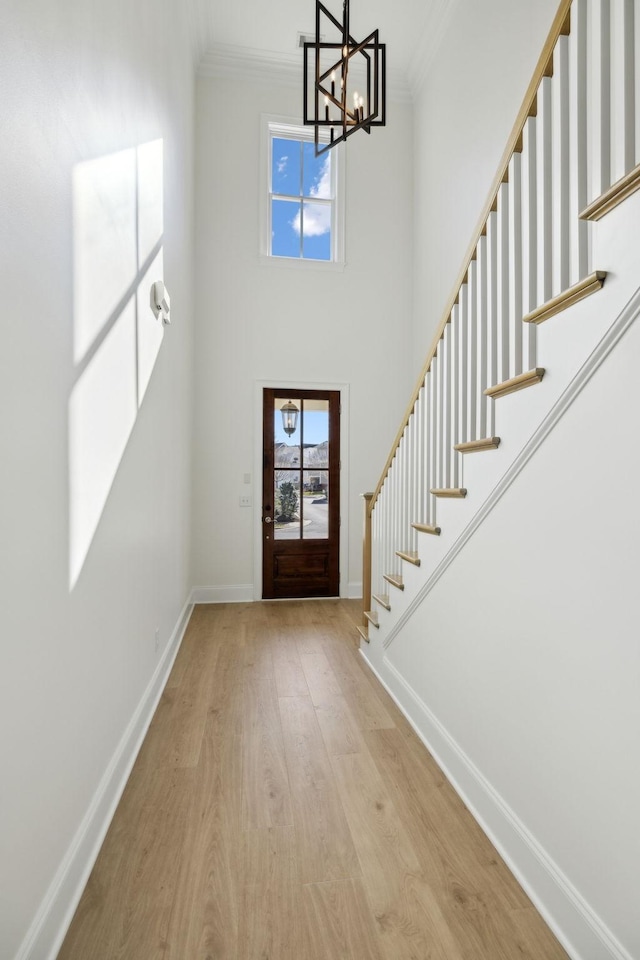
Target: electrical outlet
[(245, 501), (157, 639)]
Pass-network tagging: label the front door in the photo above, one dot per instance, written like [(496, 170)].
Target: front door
[(301, 494)]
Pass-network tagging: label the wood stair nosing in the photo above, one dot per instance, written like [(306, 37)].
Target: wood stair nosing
[(382, 599), (616, 193), (528, 379), (394, 579), (364, 633), (579, 291), (410, 556), (451, 493), (478, 446), (426, 528), (372, 617)]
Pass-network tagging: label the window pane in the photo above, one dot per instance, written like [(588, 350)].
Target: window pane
[(287, 505), (285, 167), (317, 173), (316, 505), (316, 435), (316, 242), (285, 228)]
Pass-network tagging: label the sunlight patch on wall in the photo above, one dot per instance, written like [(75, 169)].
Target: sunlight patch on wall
[(118, 254)]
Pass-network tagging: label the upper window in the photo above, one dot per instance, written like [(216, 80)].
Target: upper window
[(303, 219)]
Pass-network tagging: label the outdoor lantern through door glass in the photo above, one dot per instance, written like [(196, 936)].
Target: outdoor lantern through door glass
[(289, 417)]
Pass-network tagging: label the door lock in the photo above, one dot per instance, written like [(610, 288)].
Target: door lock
[(268, 520)]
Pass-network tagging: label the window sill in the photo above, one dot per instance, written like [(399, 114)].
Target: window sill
[(295, 263)]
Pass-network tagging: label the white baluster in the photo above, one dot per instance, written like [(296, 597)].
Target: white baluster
[(578, 154), (560, 176), (529, 247), (471, 307), (599, 115), (445, 387), (463, 386), (437, 376), (478, 291), (421, 460), (432, 385), (636, 58), (503, 282), (492, 313), (623, 136), (454, 399), (514, 344), (544, 216)]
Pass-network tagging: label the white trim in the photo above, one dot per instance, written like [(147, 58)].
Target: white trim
[(354, 591), (614, 333), (228, 61), (293, 385), (581, 931), (232, 593), (45, 935), (294, 129)]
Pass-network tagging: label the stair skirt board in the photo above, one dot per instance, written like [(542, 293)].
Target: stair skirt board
[(577, 927)]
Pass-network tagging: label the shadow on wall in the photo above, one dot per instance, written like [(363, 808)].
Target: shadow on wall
[(118, 254)]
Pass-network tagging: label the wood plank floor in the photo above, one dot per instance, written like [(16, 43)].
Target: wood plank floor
[(281, 808)]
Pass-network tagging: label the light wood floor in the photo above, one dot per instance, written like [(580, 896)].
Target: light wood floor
[(281, 808)]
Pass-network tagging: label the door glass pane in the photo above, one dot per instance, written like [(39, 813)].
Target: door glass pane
[(286, 452), (316, 434), (316, 504), (287, 506)]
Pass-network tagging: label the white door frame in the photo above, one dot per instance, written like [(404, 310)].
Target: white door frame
[(293, 385)]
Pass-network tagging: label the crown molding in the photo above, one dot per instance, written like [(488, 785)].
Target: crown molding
[(226, 60), (431, 36)]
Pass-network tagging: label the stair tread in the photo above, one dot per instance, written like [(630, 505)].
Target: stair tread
[(372, 617), (394, 579), (478, 446), (453, 493), (528, 379), (383, 600), (426, 528), (363, 633), (410, 556)]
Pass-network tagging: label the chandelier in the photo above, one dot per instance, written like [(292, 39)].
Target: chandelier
[(349, 86)]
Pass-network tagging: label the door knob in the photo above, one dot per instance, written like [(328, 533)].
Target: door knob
[(267, 520)]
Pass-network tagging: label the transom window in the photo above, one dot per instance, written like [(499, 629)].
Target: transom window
[(304, 219)]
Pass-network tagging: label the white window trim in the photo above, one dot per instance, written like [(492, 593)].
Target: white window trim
[(293, 128)]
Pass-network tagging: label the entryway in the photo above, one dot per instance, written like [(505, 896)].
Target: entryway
[(301, 493)]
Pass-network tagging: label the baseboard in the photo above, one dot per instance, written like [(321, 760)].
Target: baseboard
[(354, 591), (234, 593), (45, 936), (581, 932)]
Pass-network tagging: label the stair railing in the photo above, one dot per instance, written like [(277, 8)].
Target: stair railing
[(571, 156)]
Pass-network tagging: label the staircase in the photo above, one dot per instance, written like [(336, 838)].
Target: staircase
[(571, 160), (548, 289)]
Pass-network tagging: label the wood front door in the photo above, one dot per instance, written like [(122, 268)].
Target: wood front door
[(301, 494)]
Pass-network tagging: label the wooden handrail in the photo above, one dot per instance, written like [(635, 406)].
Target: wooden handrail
[(544, 68)]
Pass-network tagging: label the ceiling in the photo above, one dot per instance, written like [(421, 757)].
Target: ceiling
[(262, 33)]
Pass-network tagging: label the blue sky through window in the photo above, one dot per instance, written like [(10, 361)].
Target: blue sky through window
[(300, 228)]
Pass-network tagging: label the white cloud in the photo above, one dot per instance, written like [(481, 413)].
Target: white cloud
[(317, 220), (322, 187), (282, 164)]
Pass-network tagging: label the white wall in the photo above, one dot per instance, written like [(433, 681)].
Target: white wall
[(84, 81), (464, 113), (257, 322), (525, 656)]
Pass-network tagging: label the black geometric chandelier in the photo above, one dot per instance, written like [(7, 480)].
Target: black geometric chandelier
[(349, 90)]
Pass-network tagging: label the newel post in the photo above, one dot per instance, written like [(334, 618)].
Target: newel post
[(366, 556)]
